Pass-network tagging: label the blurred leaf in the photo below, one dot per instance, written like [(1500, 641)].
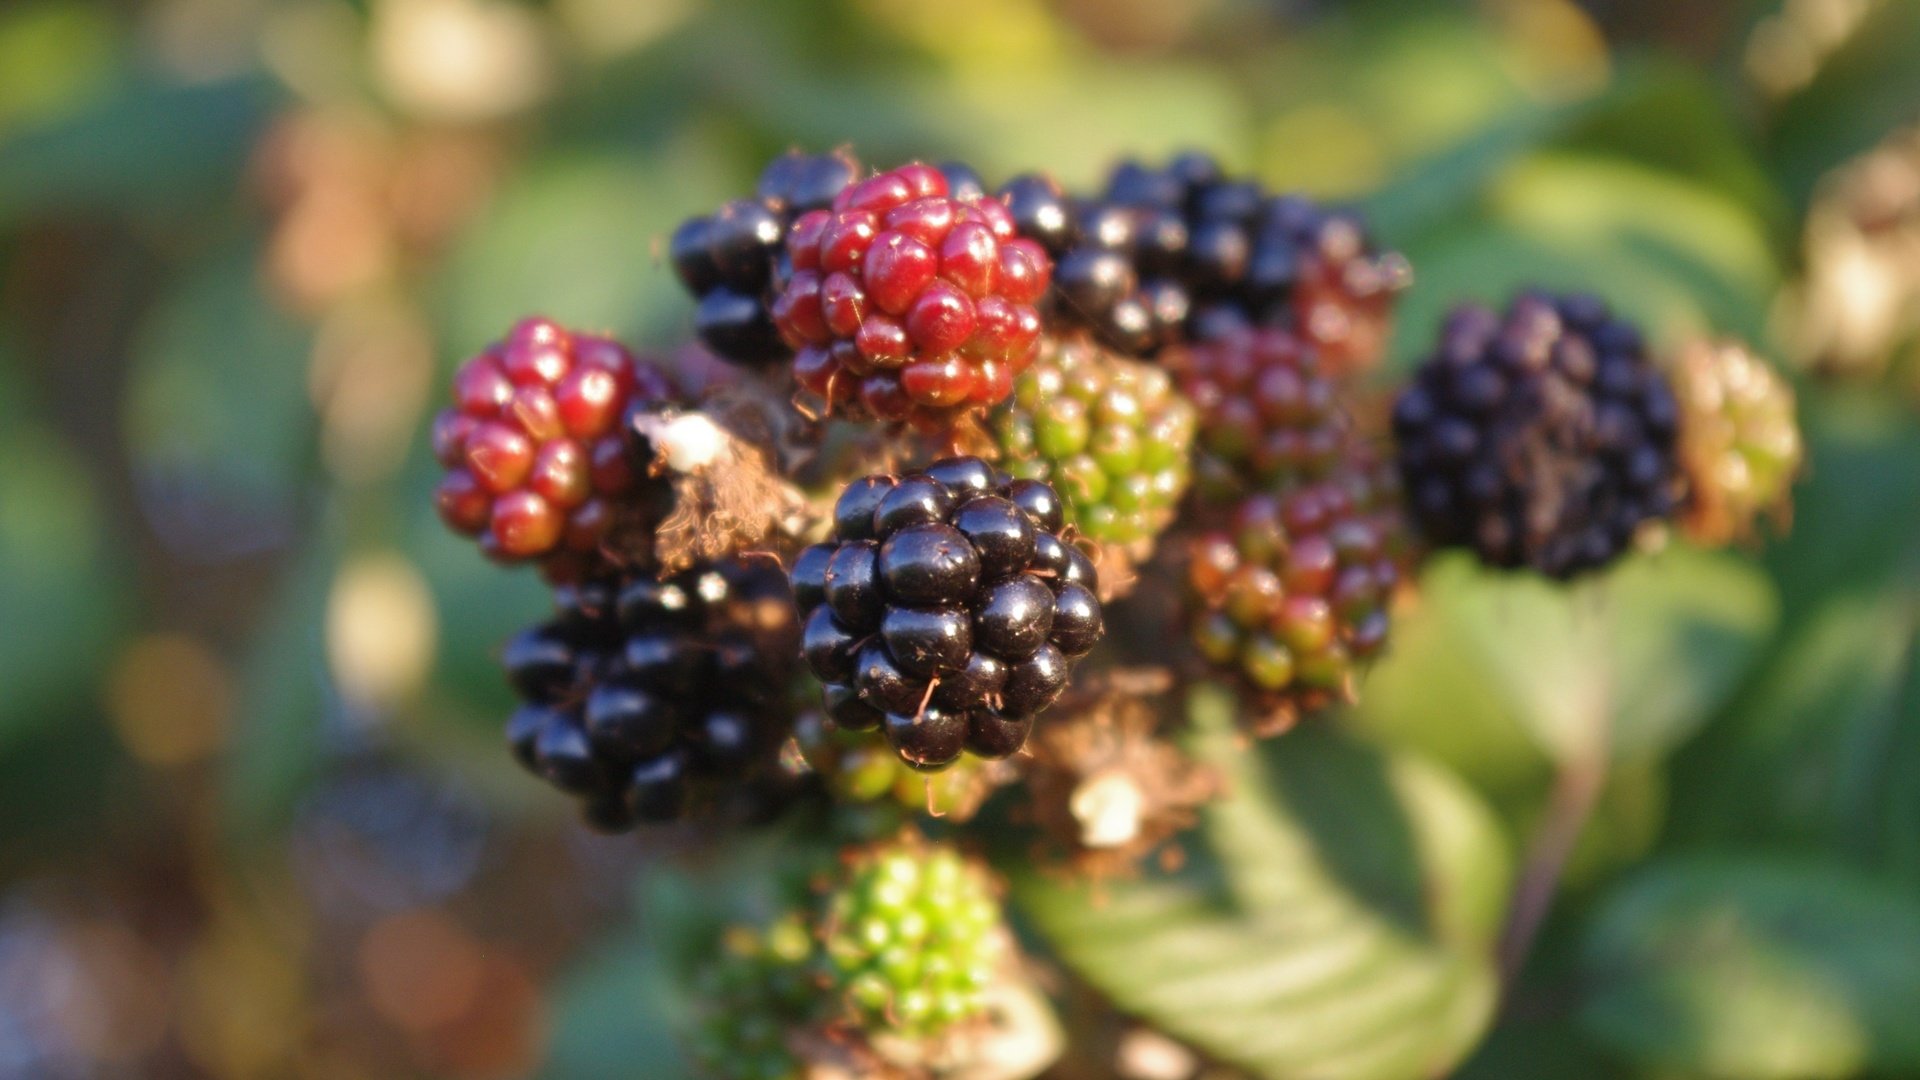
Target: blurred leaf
[(1664, 251), (613, 1013), (1657, 643), (1429, 191), (218, 419), (1333, 919), (146, 148), (1863, 91), (52, 56), (63, 597), (581, 237), (279, 744), (1821, 750), (1756, 968)]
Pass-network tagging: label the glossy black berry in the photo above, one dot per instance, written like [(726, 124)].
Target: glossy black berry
[(1000, 532), (928, 564), (853, 583), (942, 588), (1014, 617), (927, 739), (731, 260), (651, 698)]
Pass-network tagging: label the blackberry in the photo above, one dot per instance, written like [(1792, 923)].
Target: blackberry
[(730, 259), (653, 698), (1739, 443), (1256, 259), (1269, 417), (945, 609), (535, 464), (913, 936), (1542, 439), (907, 302), (1294, 596), (1109, 433), (1110, 274)]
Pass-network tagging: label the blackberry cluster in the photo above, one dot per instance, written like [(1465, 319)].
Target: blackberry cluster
[(1109, 433), (536, 465), (1184, 252), (910, 302), (1294, 596), (1270, 418), (945, 609), (913, 936), (730, 259), (1544, 439), (654, 699), (1740, 445)]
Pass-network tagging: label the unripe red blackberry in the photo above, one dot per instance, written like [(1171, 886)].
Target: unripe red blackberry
[(730, 259), (1294, 596), (908, 303), (537, 468), (945, 609), (651, 698), (1740, 444), (1543, 438), (1110, 434), (1269, 417)]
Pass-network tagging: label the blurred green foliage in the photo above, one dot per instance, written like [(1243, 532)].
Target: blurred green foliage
[(214, 216)]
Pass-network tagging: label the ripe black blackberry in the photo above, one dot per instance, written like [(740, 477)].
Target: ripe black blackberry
[(730, 259), (1541, 439), (1183, 252), (653, 699), (946, 609)]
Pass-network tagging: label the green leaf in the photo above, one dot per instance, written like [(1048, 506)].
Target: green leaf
[(614, 1015), (1333, 920), (1655, 645), (581, 237), (1820, 750), (1754, 968), (59, 589), (217, 399), (145, 148)]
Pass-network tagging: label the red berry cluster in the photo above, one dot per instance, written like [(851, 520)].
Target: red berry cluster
[(537, 468), (906, 302), (1269, 416)]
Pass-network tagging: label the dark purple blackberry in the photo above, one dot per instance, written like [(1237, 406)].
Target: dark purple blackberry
[(730, 259), (651, 698), (1184, 253), (1541, 439), (945, 609)]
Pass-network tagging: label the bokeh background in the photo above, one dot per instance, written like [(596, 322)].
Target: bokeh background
[(257, 819)]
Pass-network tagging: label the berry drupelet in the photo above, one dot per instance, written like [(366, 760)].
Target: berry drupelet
[(652, 699), (1270, 418), (730, 259), (1294, 596), (1114, 266), (913, 939), (945, 609), (909, 302), (536, 465), (1110, 434), (1740, 445), (1542, 439)]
